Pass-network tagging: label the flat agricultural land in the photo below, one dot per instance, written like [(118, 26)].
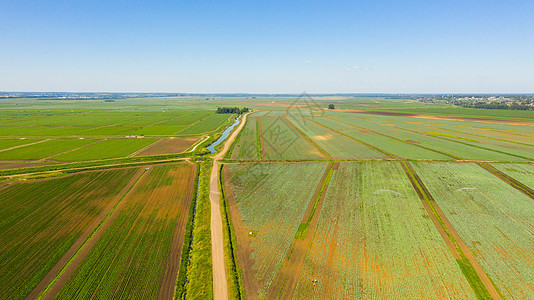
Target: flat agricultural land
[(142, 243), (41, 220), (373, 238), (380, 198), (168, 146), (493, 219)]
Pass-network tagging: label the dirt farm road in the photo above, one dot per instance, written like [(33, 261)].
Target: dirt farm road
[(220, 285)]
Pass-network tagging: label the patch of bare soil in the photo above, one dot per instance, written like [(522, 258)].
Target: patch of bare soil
[(168, 146)]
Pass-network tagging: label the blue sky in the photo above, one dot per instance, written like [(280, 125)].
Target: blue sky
[(268, 46)]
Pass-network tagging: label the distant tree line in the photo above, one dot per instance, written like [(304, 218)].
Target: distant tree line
[(514, 106), (231, 110)]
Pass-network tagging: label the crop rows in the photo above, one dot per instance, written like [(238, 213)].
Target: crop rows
[(282, 141), (335, 144), (272, 204), (375, 240), (129, 259), (246, 146), (492, 218), (39, 221)]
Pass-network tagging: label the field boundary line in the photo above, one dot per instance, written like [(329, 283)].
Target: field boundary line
[(20, 146), (70, 266), (259, 135), (397, 139), (482, 136), (508, 179), (461, 252), (168, 282), (466, 144), (286, 279), (195, 145), (46, 158), (230, 242), (354, 139), (306, 137), (143, 149)]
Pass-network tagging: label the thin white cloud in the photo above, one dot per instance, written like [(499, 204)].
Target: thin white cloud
[(307, 61)]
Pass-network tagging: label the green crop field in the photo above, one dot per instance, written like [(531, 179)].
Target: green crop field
[(382, 197), (335, 144), (106, 149), (282, 141), (208, 124), (8, 143), (246, 146), (130, 258), (43, 149), (493, 219), (262, 192), (40, 221), (374, 240)]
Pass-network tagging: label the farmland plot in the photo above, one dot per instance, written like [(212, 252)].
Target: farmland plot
[(374, 240), (39, 222), (267, 205), (435, 143), (44, 149), (282, 141), (522, 172), (208, 124), (130, 258), (246, 146), (106, 149), (333, 143), (398, 148), (492, 218), (8, 143)]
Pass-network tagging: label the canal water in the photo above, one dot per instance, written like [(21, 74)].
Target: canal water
[(224, 136)]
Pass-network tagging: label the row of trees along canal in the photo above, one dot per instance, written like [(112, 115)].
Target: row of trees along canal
[(231, 110)]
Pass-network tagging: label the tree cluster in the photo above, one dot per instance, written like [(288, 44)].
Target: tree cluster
[(231, 110)]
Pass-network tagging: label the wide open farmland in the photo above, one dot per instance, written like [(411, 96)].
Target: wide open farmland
[(492, 218), (106, 149), (41, 220), (267, 205), (335, 144), (279, 140), (143, 243), (246, 145), (374, 239)]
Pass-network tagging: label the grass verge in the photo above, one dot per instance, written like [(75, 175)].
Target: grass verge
[(235, 278)]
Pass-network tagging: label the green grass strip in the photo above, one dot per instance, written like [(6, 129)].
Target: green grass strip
[(302, 231), (235, 282), (181, 280), (259, 150)]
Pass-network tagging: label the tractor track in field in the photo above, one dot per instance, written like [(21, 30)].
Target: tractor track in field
[(20, 146), (307, 138), (262, 150), (54, 281), (46, 158), (397, 139), (508, 179), (354, 139), (285, 281), (168, 281), (450, 236)]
